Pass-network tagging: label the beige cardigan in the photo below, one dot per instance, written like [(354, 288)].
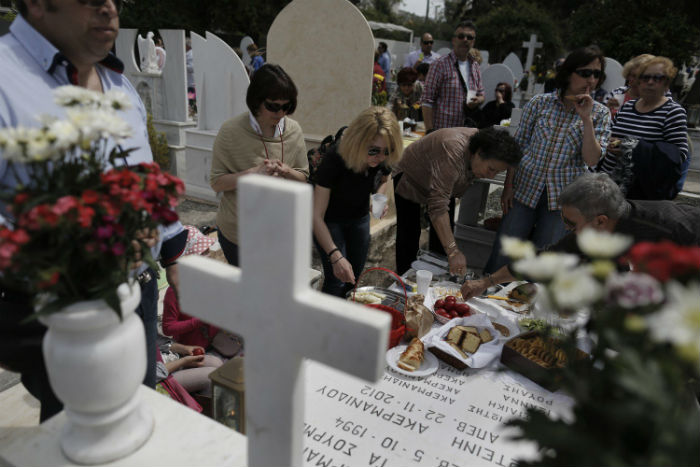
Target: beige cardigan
[(237, 148)]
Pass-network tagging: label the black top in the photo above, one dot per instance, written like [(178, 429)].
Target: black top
[(350, 191), (493, 113)]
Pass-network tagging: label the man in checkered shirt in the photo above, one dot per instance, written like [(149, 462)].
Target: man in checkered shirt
[(562, 135), (444, 100)]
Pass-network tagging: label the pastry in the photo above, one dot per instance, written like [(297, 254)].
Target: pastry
[(470, 343), (505, 332), (485, 336), (412, 357)]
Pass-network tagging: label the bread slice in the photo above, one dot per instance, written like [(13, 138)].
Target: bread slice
[(505, 332), (461, 352), (455, 335), (485, 336), (471, 343), (470, 329), (412, 357)]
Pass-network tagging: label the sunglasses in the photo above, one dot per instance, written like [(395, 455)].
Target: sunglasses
[(97, 4), (655, 78), (461, 36), (274, 107), (375, 151), (587, 73), (427, 42)]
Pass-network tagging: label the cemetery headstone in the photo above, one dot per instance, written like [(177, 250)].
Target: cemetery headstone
[(531, 45), (613, 75), (283, 321), (147, 54), (330, 63), (512, 61), (493, 75), (444, 51)]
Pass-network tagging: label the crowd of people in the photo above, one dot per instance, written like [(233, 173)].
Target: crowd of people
[(549, 189)]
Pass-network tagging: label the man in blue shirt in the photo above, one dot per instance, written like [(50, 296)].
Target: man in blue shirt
[(51, 44), (384, 59)]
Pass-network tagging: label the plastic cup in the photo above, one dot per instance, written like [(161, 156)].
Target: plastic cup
[(471, 94), (423, 278), (378, 203)]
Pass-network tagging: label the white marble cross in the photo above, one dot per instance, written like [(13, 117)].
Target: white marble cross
[(531, 45), (283, 321)]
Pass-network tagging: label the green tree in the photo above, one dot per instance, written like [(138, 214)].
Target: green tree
[(503, 30)]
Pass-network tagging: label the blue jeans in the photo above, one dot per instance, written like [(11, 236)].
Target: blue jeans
[(352, 239), (148, 312), (542, 226)]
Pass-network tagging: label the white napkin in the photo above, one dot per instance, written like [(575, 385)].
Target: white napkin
[(485, 354)]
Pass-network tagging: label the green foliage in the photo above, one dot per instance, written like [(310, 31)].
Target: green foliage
[(9, 16), (627, 28), (504, 29), (159, 145)]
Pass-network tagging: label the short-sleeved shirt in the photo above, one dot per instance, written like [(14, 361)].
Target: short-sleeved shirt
[(350, 190), (551, 138)]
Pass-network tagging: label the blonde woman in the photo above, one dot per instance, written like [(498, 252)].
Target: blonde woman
[(349, 173)]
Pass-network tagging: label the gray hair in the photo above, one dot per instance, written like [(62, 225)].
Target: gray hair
[(593, 195)]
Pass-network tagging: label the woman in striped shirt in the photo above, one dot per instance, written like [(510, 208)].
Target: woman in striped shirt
[(653, 117)]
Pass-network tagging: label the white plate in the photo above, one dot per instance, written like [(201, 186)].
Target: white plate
[(427, 367)]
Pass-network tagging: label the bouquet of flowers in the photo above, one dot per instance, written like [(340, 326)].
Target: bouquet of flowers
[(636, 397), (379, 95), (77, 218)]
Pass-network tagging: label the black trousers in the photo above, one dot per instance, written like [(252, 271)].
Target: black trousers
[(408, 230)]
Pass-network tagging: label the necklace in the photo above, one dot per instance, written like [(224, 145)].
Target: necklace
[(267, 155)]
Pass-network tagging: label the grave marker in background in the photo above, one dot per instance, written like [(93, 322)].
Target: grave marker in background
[(493, 75), (512, 61), (531, 45), (613, 75), (330, 63)]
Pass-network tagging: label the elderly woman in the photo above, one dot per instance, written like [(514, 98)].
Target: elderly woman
[(562, 134), (263, 140), (435, 169), (499, 108), (630, 71), (405, 100), (652, 118), (348, 174)]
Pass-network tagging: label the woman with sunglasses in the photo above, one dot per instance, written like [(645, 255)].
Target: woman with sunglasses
[(348, 174), (498, 109), (654, 117), (562, 134), (263, 140)]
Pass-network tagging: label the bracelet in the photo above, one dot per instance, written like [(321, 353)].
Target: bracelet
[(332, 251), (454, 253), (451, 245), (333, 262)]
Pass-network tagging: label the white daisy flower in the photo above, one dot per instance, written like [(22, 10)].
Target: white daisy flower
[(598, 244), (516, 248), (575, 288), (678, 321), (545, 266)]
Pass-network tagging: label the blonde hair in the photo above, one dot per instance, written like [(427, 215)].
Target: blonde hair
[(363, 130), (666, 64), (634, 63)]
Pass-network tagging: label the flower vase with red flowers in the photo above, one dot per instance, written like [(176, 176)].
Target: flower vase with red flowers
[(77, 210)]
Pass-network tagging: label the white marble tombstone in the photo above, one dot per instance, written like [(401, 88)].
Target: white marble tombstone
[(283, 321), (147, 54), (444, 51), (613, 75), (221, 81), (512, 61), (493, 75), (330, 63), (484, 59), (531, 45)]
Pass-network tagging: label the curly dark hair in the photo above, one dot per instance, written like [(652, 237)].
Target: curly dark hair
[(406, 76), (496, 144), (576, 59), (273, 83)]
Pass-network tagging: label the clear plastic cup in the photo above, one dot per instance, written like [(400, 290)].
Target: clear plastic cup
[(423, 279), (378, 203)]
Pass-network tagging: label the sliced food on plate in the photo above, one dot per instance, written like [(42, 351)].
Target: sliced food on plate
[(412, 357)]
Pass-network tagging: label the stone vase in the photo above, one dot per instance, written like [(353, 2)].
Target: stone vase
[(95, 363)]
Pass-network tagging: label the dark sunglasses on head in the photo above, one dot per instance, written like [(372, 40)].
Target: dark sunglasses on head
[(461, 36), (375, 151), (275, 107), (655, 78), (587, 73), (100, 3), (427, 42)]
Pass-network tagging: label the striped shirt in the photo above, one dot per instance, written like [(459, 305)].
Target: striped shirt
[(667, 122), (551, 138), (444, 91)]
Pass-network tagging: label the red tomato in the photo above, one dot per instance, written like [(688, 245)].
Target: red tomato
[(198, 351), (439, 304), (450, 298)]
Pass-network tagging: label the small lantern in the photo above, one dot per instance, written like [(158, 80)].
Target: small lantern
[(228, 394)]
